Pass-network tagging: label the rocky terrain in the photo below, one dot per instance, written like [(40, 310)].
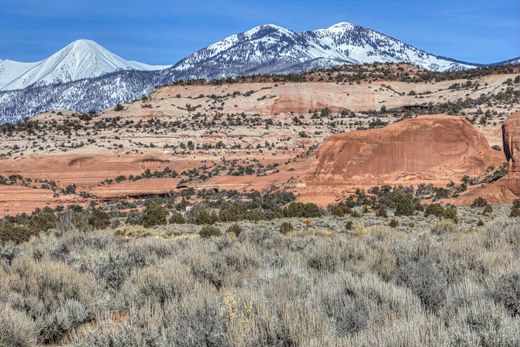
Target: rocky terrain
[(268, 134)]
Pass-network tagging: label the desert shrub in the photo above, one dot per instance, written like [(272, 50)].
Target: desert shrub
[(434, 210), (69, 315), (515, 212), (488, 209), (381, 212), (301, 210), (480, 223), (404, 205), (16, 233), (355, 214), (201, 215), (506, 290), (58, 296), (475, 320), (516, 203), (16, 329), (154, 214), (208, 231), (394, 223), (286, 228), (340, 209), (99, 219), (323, 261), (159, 284), (424, 279), (43, 221), (450, 212), (444, 226), (177, 218), (356, 302), (479, 202), (349, 225), (235, 229)]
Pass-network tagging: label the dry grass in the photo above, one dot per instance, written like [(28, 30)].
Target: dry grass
[(316, 286)]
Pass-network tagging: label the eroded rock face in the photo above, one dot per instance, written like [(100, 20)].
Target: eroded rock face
[(507, 188), (429, 149), (511, 136)]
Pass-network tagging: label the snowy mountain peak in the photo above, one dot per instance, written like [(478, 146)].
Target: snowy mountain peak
[(341, 26), (267, 29), (79, 60)]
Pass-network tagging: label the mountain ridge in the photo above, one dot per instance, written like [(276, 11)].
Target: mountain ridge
[(265, 49), (79, 60)]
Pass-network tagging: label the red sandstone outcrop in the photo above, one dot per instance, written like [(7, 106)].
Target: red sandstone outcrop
[(507, 188), (429, 149)]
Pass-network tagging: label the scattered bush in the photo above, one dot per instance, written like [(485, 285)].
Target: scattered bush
[(479, 202), (394, 223), (404, 205), (286, 228), (177, 218), (208, 231), (444, 226), (16, 329), (235, 229), (506, 290), (515, 212), (99, 219), (154, 214)]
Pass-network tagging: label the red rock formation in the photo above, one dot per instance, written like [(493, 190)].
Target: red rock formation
[(429, 149), (511, 136), (507, 188)]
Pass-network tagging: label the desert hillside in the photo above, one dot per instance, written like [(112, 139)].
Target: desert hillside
[(261, 134)]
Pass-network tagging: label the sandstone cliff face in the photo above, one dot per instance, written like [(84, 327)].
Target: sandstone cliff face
[(507, 188), (511, 136), (429, 149)]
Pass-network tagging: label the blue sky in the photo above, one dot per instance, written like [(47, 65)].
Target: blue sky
[(165, 31)]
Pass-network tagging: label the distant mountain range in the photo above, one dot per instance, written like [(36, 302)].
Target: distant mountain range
[(85, 76), (79, 60)]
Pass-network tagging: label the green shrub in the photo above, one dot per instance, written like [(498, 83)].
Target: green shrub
[(381, 212), (394, 223), (16, 233), (488, 209), (177, 218), (286, 228), (515, 212), (444, 226), (450, 212), (340, 209), (479, 202), (208, 231), (355, 214), (202, 215), (434, 210), (349, 225), (153, 214), (99, 219), (301, 210), (235, 229), (516, 203), (480, 223), (404, 205)]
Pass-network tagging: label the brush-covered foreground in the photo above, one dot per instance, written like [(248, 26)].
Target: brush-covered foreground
[(309, 283)]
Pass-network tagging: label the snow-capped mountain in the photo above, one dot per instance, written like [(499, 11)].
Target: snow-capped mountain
[(508, 62), (85, 76), (274, 49), (79, 60)]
